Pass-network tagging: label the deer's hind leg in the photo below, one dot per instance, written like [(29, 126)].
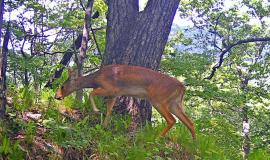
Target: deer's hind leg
[(164, 111), (177, 110), (110, 104)]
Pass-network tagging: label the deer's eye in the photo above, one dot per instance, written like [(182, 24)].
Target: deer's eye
[(62, 87)]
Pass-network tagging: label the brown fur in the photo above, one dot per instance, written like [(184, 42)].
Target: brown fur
[(164, 92)]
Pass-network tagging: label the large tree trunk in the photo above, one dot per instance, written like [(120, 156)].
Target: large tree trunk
[(138, 38), (2, 92), (3, 67)]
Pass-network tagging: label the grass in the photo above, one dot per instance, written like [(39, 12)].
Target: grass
[(62, 133)]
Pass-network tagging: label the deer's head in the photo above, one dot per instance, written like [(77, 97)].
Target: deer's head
[(68, 86)]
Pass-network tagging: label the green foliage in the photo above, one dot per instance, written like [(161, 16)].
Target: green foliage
[(186, 64), (73, 19), (35, 5), (260, 134), (41, 33), (113, 143), (259, 154), (51, 117), (214, 106), (23, 98), (9, 149), (5, 147), (217, 137), (101, 7), (27, 97), (30, 131), (32, 65), (59, 81)]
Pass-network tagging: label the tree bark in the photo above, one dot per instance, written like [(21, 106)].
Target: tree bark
[(244, 113), (138, 38), (1, 17), (3, 65), (246, 132), (84, 45), (245, 119)]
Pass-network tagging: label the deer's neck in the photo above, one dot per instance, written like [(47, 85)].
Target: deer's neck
[(86, 82)]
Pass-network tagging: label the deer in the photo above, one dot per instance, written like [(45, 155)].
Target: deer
[(164, 92)]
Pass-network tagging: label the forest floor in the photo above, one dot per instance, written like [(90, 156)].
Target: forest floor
[(65, 133)]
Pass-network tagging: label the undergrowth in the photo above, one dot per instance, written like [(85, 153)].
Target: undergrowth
[(68, 130)]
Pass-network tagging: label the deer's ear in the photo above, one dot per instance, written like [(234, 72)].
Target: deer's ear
[(72, 73)]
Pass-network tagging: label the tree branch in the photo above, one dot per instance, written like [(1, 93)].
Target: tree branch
[(51, 53), (228, 48), (81, 3), (95, 40), (216, 32)]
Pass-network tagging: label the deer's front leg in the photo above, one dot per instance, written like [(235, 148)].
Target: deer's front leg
[(110, 104), (96, 92), (95, 109)]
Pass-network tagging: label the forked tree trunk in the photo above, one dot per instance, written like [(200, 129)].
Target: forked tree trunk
[(138, 38), (84, 45)]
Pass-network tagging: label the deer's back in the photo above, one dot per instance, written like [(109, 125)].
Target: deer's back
[(137, 80)]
